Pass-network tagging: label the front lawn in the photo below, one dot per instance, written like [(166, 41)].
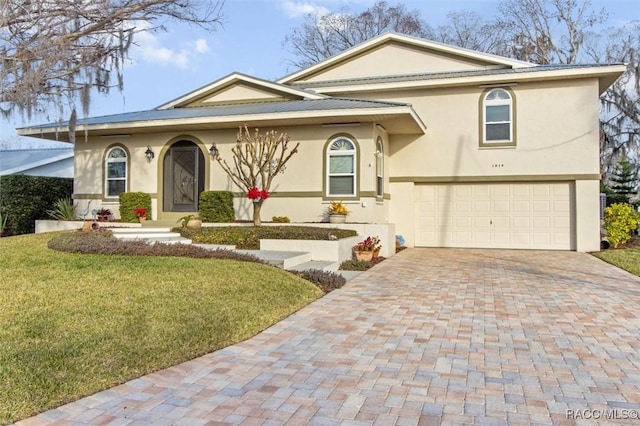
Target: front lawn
[(73, 324), (627, 259)]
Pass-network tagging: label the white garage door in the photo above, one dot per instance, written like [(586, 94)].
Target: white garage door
[(495, 215)]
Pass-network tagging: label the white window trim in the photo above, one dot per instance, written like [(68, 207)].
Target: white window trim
[(330, 153), (107, 179), (497, 102)]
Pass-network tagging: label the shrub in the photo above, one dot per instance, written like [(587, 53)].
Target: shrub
[(619, 220), (216, 206), (281, 219), (130, 201), (355, 265), (103, 242), (247, 237), (325, 280), (25, 199), (63, 209)]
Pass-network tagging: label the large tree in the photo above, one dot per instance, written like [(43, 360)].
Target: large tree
[(323, 35), (55, 52)]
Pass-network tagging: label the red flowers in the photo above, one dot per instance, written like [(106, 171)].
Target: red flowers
[(140, 212), (257, 194)]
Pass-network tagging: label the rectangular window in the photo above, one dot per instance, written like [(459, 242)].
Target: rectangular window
[(341, 175)]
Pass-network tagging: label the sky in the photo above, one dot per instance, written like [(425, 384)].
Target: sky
[(168, 64)]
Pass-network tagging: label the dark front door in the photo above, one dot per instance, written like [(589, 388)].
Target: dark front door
[(183, 177)]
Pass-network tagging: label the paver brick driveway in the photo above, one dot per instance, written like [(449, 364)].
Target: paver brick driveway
[(429, 336)]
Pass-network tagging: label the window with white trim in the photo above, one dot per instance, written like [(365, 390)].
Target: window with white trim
[(115, 172), (379, 168), (497, 109), (341, 168)]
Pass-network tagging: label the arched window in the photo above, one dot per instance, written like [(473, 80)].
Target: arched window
[(341, 168), (115, 172), (379, 168), (498, 126)]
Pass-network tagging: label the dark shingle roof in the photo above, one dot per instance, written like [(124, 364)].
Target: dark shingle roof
[(442, 75), (328, 104)]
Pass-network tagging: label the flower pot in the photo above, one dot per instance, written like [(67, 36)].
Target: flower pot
[(337, 218), (376, 253), (194, 223), (363, 255), (142, 219)]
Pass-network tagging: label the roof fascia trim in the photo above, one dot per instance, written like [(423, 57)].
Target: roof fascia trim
[(390, 110), (596, 72)]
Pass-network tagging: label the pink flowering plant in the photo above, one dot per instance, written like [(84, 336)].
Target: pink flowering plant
[(369, 244)]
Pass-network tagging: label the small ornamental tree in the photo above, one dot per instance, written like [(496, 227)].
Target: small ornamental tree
[(257, 159)]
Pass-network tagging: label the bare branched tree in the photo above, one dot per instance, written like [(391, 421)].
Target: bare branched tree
[(470, 30), (322, 36), (55, 52), (257, 160), (548, 31), (621, 115)]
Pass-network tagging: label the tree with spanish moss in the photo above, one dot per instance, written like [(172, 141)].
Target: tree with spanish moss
[(56, 52), (257, 160)]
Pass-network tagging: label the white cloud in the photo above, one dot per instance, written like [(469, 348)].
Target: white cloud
[(295, 9), (152, 49)]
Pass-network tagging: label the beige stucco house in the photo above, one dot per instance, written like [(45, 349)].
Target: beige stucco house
[(457, 148)]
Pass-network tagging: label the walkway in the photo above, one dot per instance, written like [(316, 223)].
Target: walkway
[(429, 336)]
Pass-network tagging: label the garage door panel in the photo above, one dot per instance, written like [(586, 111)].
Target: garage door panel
[(495, 215)]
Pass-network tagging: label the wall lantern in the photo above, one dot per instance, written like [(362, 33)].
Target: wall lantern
[(149, 153), (213, 151)]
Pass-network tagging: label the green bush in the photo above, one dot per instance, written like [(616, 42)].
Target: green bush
[(130, 201), (216, 206), (281, 219), (248, 237), (63, 209), (25, 199), (325, 280), (619, 220), (355, 265), (616, 199), (103, 242)]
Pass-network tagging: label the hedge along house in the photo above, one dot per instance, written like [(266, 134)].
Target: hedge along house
[(458, 148)]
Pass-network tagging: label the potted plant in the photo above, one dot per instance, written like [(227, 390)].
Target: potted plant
[(337, 212), (190, 221), (367, 249), (141, 214), (103, 215)]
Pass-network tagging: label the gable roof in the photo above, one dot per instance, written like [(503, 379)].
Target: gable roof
[(487, 59), (22, 161), (263, 90)]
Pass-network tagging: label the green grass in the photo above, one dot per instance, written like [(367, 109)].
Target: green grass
[(73, 324), (627, 259)]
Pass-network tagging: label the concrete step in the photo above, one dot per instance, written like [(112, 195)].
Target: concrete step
[(145, 235), (216, 246), (139, 230), (281, 259), (322, 265)]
